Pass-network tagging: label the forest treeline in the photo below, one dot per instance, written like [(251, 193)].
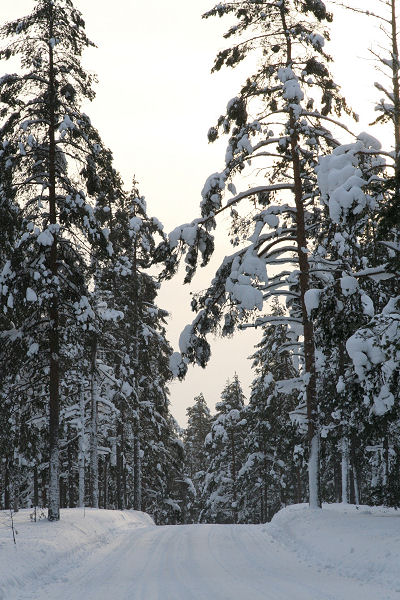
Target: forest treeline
[(314, 209)]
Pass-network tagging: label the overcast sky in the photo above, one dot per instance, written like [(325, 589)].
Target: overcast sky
[(156, 100)]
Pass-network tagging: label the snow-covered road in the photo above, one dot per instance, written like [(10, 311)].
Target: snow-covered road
[(193, 562)]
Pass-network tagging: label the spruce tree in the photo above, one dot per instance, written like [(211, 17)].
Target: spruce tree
[(199, 425), (224, 444)]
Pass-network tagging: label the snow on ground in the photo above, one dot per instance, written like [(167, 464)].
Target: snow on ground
[(339, 553), (44, 550), (360, 542)]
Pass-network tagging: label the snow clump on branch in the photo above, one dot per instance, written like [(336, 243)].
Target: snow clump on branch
[(340, 179)]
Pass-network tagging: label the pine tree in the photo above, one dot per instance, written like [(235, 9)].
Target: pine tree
[(47, 141), (293, 98)]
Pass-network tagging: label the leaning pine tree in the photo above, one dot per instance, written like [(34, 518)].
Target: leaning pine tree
[(277, 124), (50, 156)]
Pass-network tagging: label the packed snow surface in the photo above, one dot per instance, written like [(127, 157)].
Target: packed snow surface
[(339, 553)]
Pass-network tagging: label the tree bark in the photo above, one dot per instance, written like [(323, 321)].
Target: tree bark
[(7, 486), (54, 341), (94, 467), (70, 474), (137, 473), (105, 482), (81, 455), (120, 464), (396, 94), (345, 469), (35, 486), (355, 475)]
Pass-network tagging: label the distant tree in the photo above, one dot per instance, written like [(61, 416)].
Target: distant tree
[(199, 425), (225, 452)]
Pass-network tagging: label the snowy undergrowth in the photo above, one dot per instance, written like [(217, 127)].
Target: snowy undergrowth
[(359, 542), (42, 546)]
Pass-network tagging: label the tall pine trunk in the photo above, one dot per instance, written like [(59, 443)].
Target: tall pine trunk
[(309, 350), (35, 486), (355, 473), (105, 482), (137, 473), (345, 469), (81, 448), (54, 337), (396, 94), (94, 467), (137, 459), (120, 464)]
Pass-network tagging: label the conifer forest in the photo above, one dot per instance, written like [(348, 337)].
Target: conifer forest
[(312, 262)]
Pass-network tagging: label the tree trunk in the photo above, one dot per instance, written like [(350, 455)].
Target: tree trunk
[(355, 475), (299, 486), (313, 473), (63, 492), (396, 95), (137, 473), (385, 445), (309, 351), (43, 486), (54, 341), (120, 465), (81, 456), (70, 474), (105, 482), (94, 468), (35, 486), (7, 486), (137, 460), (345, 469)]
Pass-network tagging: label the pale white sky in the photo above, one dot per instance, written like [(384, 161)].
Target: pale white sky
[(156, 100)]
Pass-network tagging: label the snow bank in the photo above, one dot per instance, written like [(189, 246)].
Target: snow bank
[(359, 542), (43, 545)]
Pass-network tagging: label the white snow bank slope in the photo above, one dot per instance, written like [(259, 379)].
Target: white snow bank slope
[(362, 542), (44, 546)]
